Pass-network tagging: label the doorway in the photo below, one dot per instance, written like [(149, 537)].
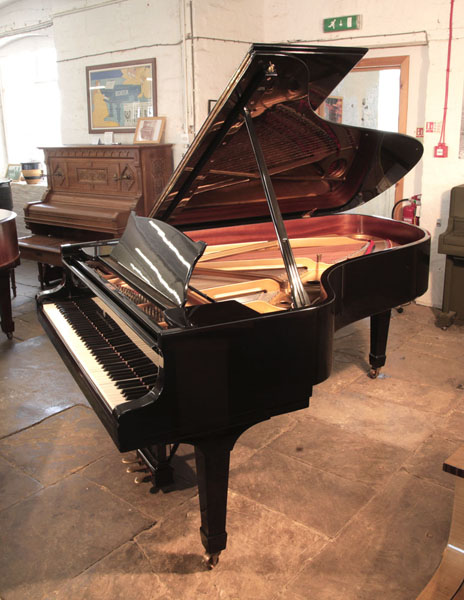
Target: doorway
[(374, 95)]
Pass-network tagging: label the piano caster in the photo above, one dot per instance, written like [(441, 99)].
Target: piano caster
[(373, 373), (9, 335), (212, 560)]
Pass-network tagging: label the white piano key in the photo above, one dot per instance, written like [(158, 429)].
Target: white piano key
[(106, 387)]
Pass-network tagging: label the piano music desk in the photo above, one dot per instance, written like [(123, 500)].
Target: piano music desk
[(448, 581), (46, 251)]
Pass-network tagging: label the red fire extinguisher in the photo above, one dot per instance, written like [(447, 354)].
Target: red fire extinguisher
[(411, 212), (417, 200)]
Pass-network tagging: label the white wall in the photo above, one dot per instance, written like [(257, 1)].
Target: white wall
[(30, 95), (124, 31), (111, 31), (199, 43)]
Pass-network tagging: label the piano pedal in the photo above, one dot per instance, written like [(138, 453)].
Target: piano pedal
[(128, 460), (212, 560), (142, 477), (134, 467)]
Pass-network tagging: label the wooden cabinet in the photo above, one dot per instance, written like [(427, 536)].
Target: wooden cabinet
[(92, 189)]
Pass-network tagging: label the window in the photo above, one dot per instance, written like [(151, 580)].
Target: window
[(30, 100)]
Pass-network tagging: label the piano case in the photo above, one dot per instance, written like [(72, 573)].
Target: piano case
[(218, 310)]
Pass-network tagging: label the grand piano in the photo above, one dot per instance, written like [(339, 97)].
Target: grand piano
[(218, 310)]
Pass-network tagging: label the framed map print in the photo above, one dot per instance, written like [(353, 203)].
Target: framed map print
[(120, 94)]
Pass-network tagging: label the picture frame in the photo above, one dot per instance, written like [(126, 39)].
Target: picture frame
[(211, 105), (13, 172), (119, 94), (332, 109), (149, 130)]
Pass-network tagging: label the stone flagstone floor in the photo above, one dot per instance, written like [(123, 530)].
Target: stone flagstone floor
[(345, 499)]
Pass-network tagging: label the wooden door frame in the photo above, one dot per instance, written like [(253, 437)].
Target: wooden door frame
[(382, 63)]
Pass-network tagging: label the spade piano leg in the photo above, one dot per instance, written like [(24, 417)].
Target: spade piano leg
[(379, 336), (212, 458)]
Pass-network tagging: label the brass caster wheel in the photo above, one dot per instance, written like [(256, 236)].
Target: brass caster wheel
[(9, 335), (373, 373), (212, 560)]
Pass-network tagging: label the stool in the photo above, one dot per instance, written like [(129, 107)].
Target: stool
[(46, 251)]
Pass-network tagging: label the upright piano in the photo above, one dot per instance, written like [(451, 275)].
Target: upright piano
[(91, 192), (92, 189), (218, 310)]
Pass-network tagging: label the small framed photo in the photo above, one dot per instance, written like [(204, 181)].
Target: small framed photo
[(211, 105), (149, 130), (13, 172), (332, 109)]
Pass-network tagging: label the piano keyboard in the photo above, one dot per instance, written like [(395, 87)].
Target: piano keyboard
[(117, 362)]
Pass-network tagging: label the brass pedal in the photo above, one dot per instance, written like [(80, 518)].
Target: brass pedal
[(141, 478), (127, 460), (134, 467)]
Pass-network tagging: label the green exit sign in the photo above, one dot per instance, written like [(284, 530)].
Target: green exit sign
[(342, 23)]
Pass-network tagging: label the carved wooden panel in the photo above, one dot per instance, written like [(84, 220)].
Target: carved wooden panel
[(94, 188)]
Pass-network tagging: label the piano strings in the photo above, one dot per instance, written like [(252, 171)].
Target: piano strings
[(253, 272)]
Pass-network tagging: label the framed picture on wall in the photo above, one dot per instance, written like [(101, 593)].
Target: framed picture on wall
[(119, 94), (149, 130)]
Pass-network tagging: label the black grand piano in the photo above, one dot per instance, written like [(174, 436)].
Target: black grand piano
[(218, 311)]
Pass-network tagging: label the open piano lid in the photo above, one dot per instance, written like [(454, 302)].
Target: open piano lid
[(316, 166)]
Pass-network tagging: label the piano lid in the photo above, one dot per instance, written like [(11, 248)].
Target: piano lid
[(159, 256), (316, 166)]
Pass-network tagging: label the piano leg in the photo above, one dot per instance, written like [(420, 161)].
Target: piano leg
[(212, 462), (6, 316), (379, 337)]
